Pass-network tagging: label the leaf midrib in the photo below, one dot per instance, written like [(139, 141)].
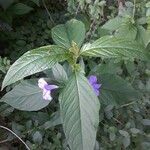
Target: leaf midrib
[(79, 109), (118, 47)]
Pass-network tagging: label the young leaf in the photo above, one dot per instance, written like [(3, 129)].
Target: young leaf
[(115, 90), (79, 107), (34, 61), (25, 96), (112, 47), (64, 34)]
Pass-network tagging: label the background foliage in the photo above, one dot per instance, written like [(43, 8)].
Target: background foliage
[(124, 116)]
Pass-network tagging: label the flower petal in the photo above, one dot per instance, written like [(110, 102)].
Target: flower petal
[(92, 79), (47, 95), (96, 86), (96, 92), (50, 87), (42, 83)]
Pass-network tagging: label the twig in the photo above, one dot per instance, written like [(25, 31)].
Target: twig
[(88, 36), (77, 10), (133, 79), (47, 11), (4, 141), (16, 136), (134, 9), (117, 121), (127, 104)]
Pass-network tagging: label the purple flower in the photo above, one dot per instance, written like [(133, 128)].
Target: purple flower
[(93, 82), (46, 89)]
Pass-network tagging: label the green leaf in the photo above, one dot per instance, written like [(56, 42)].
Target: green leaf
[(115, 90), (127, 30), (54, 120), (34, 61), (102, 32), (82, 64), (113, 24), (37, 137), (126, 139), (67, 68), (79, 107), (112, 47), (5, 110), (59, 73), (108, 111), (25, 96), (85, 19), (20, 9), (124, 133), (123, 26), (143, 36), (64, 34), (107, 68), (148, 4), (135, 131)]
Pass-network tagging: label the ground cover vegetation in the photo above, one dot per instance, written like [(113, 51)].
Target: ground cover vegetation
[(75, 74)]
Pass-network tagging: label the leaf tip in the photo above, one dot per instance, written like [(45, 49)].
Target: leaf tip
[(4, 84), (2, 87)]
